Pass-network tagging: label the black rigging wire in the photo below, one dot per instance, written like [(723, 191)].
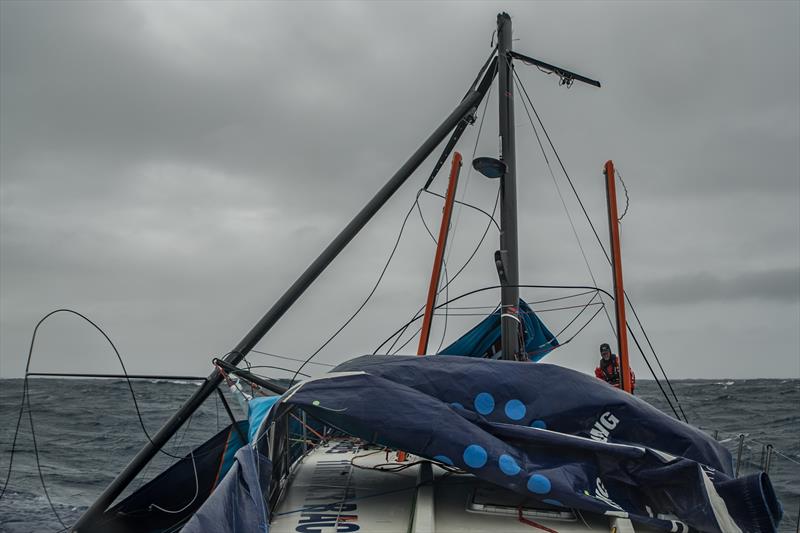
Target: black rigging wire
[(465, 204), (563, 203), (584, 308), (603, 248), (249, 368), (444, 264), (627, 197), (287, 358), (417, 315), (25, 400), (371, 292), (482, 289)]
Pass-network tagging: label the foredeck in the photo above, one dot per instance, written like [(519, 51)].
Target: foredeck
[(344, 486)]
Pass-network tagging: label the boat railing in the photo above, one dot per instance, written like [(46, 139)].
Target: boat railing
[(756, 454)]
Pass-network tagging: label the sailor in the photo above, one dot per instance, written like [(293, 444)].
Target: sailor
[(609, 370)]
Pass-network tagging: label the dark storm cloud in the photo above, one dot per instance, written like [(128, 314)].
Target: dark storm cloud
[(170, 167), (779, 286)]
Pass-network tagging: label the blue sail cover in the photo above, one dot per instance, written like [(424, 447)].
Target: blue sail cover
[(548, 432), (484, 339)]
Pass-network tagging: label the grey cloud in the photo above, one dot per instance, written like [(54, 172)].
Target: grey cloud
[(778, 286), (171, 167)]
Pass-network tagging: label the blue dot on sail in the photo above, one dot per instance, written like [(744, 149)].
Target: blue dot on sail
[(553, 502), (508, 465), (539, 424), (484, 403), (538, 484), (515, 410), (443, 459), (475, 456)]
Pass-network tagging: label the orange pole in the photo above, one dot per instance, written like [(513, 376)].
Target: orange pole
[(616, 265), (444, 228)]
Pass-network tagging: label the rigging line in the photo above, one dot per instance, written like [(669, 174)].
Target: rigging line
[(470, 169), (533, 302), (526, 313), (183, 435), (406, 343), (446, 309), (647, 362), (547, 347), (416, 317), (290, 358), (460, 270), (444, 264), (369, 296), (467, 205), (562, 297), (584, 326), (250, 367), (196, 492), (585, 307), (518, 83), (26, 391), (38, 464), (419, 208), (627, 197), (563, 168), (597, 236), (658, 361)]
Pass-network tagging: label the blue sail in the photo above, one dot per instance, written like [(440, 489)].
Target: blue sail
[(539, 430), (484, 339)]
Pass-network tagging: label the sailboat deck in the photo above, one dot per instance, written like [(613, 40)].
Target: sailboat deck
[(345, 486)]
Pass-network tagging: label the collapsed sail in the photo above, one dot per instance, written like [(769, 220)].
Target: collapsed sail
[(484, 339), (544, 431)]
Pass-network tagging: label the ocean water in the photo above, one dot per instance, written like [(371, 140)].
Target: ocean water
[(87, 430)]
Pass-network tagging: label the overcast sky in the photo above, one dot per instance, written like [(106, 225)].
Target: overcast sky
[(168, 169)]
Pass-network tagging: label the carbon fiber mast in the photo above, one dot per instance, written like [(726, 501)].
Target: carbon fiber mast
[(508, 257)]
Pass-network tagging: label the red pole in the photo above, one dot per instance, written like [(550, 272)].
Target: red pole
[(616, 265), (444, 228)]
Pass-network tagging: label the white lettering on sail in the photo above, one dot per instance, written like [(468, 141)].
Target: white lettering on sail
[(603, 427)]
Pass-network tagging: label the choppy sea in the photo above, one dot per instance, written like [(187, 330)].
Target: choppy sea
[(87, 430)]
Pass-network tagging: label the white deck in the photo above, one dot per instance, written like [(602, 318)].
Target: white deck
[(420, 499)]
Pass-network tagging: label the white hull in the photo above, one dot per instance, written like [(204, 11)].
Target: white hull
[(338, 487)]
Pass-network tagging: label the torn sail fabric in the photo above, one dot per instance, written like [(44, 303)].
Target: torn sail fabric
[(484, 339), (555, 434), (238, 503)]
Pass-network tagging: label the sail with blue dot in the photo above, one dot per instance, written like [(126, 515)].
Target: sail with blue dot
[(544, 431)]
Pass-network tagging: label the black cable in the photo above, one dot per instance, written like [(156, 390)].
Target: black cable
[(537, 311), (647, 338), (460, 270), (627, 197), (584, 308), (407, 341), (666, 397), (26, 396), (444, 264), (482, 289), (369, 296), (465, 204), (291, 358), (517, 84), (249, 368), (602, 247)]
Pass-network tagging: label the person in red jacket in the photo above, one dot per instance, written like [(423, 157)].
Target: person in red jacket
[(609, 370)]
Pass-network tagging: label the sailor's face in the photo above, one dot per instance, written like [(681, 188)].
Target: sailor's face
[(606, 354)]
